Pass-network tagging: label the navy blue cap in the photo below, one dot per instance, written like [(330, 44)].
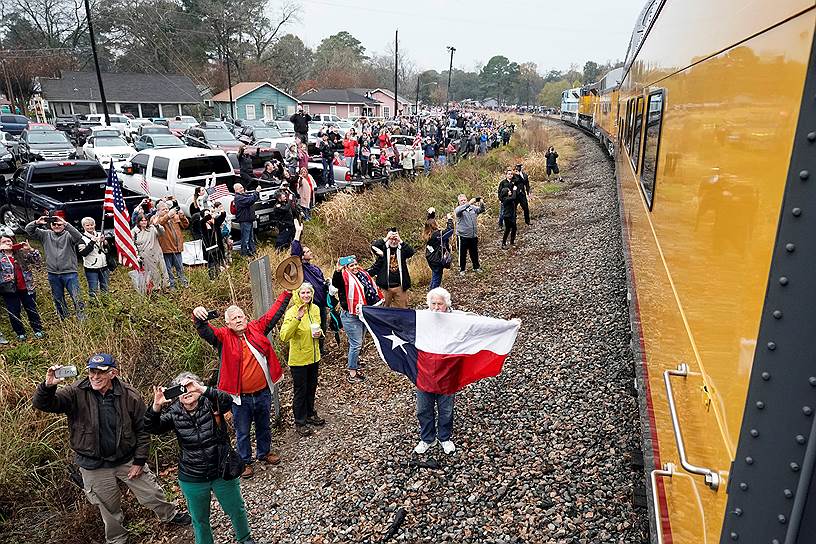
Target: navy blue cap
[(101, 361)]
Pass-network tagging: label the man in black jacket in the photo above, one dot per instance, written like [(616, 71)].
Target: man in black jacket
[(391, 268), (505, 183), (245, 216), (301, 121), (327, 156), (106, 432), (521, 181)]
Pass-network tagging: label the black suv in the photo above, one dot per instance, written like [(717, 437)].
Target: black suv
[(66, 123), (45, 145)]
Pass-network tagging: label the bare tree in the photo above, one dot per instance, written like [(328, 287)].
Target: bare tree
[(264, 32)]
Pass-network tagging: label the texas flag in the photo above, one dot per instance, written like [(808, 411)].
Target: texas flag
[(440, 352)]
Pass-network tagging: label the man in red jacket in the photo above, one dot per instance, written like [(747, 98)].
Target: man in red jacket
[(249, 369)]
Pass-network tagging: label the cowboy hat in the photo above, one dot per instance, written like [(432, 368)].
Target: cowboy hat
[(289, 273)]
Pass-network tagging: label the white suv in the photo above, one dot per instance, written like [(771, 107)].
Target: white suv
[(119, 122)]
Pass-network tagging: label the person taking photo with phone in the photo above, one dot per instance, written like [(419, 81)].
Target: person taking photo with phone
[(391, 268), (197, 420), (17, 285), (106, 431), (467, 230)]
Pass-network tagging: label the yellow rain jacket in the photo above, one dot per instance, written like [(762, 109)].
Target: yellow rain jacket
[(303, 349)]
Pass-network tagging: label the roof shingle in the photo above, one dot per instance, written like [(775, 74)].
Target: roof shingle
[(122, 88)]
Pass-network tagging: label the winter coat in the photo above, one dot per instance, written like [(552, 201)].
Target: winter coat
[(467, 225), (212, 241), (26, 260), (303, 348), (326, 150), (438, 239), (172, 241), (349, 147), (93, 256), (381, 266), (551, 158), (313, 274), (508, 198), (230, 348), (243, 206), (60, 249), (77, 400), (301, 122), (197, 433)]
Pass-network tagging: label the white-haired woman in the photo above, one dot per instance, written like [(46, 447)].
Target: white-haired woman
[(435, 411), (93, 250), (146, 236), (301, 329), (196, 420)]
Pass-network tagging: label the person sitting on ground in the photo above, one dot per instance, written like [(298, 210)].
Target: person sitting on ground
[(391, 268), (302, 330), (106, 431), (173, 220), (94, 249), (197, 419), (552, 165), (437, 246), (439, 425), (59, 240), (146, 237), (17, 286), (355, 288), (248, 371)]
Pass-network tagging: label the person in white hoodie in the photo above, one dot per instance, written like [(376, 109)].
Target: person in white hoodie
[(94, 252)]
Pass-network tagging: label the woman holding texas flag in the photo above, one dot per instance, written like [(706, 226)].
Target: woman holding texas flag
[(441, 351)]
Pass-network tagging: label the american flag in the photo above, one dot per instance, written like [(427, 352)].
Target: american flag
[(417, 140), (114, 202), (143, 184), (217, 191)]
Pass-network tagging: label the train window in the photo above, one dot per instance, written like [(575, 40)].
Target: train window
[(651, 145), (626, 123), (637, 130)]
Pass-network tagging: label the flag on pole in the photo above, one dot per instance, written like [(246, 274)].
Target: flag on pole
[(417, 140), (122, 235), (214, 192), (440, 352)]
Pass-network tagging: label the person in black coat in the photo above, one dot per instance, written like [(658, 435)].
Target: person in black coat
[(283, 216), (521, 181), (301, 121), (508, 194), (391, 268), (200, 431), (213, 241)]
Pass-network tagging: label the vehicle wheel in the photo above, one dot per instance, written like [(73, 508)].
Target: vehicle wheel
[(10, 221)]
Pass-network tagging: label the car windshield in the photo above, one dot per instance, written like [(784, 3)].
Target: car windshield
[(155, 130), (218, 135), (103, 133), (180, 125), (285, 125), (267, 133), (118, 119), (89, 124), (166, 140), (109, 141), (47, 137), (254, 123)]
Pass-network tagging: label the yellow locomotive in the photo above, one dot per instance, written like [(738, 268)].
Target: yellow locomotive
[(712, 123)]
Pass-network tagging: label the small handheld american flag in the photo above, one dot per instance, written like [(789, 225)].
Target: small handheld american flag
[(214, 192), (114, 202), (417, 140)]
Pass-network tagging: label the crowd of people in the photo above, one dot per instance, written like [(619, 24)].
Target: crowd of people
[(109, 424)]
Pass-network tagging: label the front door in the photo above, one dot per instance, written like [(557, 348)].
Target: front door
[(269, 112)]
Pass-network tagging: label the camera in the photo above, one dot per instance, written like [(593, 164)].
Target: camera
[(478, 199), (212, 314), (176, 391), (65, 372)]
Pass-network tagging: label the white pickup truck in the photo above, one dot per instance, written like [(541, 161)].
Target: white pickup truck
[(178, 171)]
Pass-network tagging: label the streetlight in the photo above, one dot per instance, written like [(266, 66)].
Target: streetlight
[(416, 107), (452, 50)]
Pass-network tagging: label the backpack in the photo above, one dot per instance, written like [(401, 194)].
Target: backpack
[(233, 209), (441, 256)]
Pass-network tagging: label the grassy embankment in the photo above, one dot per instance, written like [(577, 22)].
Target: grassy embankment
[(153, 339)]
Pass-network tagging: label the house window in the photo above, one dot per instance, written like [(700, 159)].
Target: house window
[(386, 111), (332, 110), (356, 110), (250, 111), (306, 108), (637, 133), (651, 145)]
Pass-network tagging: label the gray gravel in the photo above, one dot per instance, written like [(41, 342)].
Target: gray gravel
[(543, 451)]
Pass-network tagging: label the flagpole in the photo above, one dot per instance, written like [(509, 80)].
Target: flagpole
[(110, 177)]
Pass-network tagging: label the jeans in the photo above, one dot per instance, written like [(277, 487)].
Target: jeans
[(14, 304), (355, 330), (247, 239), (427, 166), (173, 262), (253, 408), (350, 164), (429, 429), (307, 213), (304, 388), (328, 172), (59, 284), (363, 166), (442, 160), (436, 277), (228, 493), (97, 280)]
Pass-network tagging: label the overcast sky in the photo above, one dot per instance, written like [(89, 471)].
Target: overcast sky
[(553, 34)]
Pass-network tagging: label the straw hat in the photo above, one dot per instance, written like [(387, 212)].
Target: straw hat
[(289, 273)]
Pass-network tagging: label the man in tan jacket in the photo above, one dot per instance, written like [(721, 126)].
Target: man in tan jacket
[(170, 216)]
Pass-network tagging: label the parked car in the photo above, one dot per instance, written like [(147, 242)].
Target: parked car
[(153, 129), (45, 145), (107, 149), (119, 122), (325, 118), (13, 124), (159, 121), (260, 123), (188, 119), (66, 123), (178, 128), (211, 138), (40, 126), (7, 162), (179, 171), (9, 142), (83, 130), (72, 189), (252, 134), (157, 141), (286, 128), (104, 131), (133, 127)]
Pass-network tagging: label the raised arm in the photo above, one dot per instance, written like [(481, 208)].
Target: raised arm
[(273, 315)]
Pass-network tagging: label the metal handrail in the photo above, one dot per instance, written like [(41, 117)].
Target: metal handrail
[(712, 478), (667, 470)]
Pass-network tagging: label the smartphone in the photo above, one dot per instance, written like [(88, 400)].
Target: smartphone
[(212, 314), (345, 261), (65, 372), (478, 199), (176, 391)]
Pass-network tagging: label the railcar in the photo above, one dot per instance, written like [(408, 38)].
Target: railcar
[(713, 127), (569, 105)]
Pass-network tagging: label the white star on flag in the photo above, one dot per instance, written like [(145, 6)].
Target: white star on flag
[(396, 342)]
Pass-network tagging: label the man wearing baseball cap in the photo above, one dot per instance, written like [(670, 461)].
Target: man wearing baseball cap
[(106, 431)]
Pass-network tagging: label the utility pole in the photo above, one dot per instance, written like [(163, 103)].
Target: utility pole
[(396, 68), (229, 84), (96, 63), (416, 107), (452, 50)]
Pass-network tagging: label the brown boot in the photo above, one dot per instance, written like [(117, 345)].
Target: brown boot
[(248, 472), (271, 459)]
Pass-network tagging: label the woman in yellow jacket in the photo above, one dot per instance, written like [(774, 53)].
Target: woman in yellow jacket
[(301, 328)]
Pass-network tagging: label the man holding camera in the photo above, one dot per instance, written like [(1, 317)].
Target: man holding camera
[(467, 229), (59, 239), (248, 371), (170, 216), (106, 432), (391, 268)]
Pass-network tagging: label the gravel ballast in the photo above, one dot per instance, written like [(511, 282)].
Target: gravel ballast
[(544, 451)]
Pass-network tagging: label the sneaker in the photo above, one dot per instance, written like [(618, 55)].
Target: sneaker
[(3, 340), (423, 447), (504, 246), (271, 459), (461, 272), (248, 472), (316, 420), (181, 518), (478, 270), (22, 337), (357, 378), (39, 335), (303, 430), (448, 447)]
